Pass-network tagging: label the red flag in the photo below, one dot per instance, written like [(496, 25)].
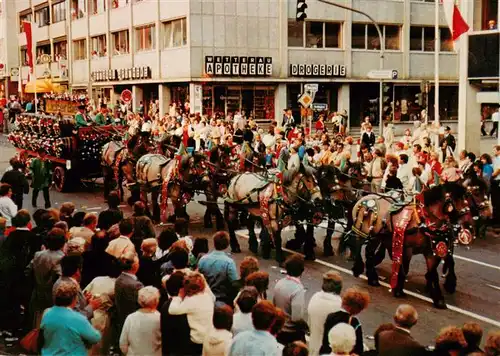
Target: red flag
[(29, 44), (456, 22)]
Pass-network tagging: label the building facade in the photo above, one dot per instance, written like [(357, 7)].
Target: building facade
[(252, 55)]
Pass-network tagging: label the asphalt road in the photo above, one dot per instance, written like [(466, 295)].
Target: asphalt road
[(478, 290)]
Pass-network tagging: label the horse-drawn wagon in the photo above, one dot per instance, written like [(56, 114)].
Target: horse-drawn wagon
[(75, 153)]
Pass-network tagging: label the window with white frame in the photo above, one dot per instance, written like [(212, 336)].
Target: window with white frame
[(422, 39), (60, 48), (365, 36), (145, 38), (121, 43), (445, 40), (175, 33), (80, 49), (42, 16), (314, 34), (97, 6), (98, 46), (78, 9), (59, 12), (115, 4), (24, 18)]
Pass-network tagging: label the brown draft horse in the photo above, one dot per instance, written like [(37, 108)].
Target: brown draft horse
[(430, 230), (276, 205), (117, 165)]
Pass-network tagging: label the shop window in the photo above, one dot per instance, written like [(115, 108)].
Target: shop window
[(175, 33), (80, 49), (446, 42), (97, 6), (42, 17), (78, 9), (295, 33), (24, 18), (121, 43), (365, 36), (489, 15), (59, 12), (41, 50), (145, 38), (422, 39), (98, 46), (115, 4), (314, 34), (60, 50)]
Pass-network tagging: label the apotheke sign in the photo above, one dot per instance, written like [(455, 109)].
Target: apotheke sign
[(239, 66), (121, 74), (317, 70)]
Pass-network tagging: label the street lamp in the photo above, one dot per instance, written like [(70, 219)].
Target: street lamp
[(382, 49)]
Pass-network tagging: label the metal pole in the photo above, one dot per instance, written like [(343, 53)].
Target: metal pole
[(436, 68), (382, 50)]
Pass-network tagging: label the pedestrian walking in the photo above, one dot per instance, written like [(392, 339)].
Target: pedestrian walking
[(495, 118), (41, 178), (18, 182)]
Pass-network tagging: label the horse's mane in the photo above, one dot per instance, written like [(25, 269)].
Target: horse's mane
[(455, 189), (475, 181), (438, 193)]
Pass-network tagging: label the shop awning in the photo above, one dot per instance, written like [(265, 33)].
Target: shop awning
[(43, 86)]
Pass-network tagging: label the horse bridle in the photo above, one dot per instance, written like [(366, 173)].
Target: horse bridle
[(475, 205)]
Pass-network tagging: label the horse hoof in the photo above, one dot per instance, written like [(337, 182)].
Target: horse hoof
[(236, 249), (450, 287), (327, 252), (310, 257), (440, 304), (292, 245), (253, 248), (399, 294), (374, 283)]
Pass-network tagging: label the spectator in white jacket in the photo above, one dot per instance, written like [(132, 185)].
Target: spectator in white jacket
[(141, 333), (322, 304), (8, 209), (218, 340)]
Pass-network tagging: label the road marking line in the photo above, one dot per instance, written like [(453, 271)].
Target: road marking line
[(94, 208), (492, 286), (413, 294), (476, 262)]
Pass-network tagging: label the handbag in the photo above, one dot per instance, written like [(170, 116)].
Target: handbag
[(30, 341)]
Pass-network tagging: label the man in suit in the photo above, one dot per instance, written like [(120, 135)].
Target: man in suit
[(368, 137), (126, 288), (449, 138), (399, 342), (18, 182)]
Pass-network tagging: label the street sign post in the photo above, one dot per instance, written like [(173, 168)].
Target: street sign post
[(305, 100), (319, 106), (311, 87), (383, 74), (126, 96)]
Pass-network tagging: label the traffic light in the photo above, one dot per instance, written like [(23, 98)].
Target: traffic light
[(387, 100), (301, 10)]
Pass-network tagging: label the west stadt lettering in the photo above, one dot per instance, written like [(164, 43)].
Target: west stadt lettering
[(317, 70), (238, 66), (122, 74)]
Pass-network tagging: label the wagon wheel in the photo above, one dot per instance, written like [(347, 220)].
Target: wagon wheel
[(59, 178)]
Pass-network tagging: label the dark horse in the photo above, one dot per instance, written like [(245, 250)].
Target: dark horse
[(117, 165), (426, 227)]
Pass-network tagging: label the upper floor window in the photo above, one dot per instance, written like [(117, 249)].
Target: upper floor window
[(97, 6), (24, 18), (98, 46), (24, 56), (175, 33), (422, 39), (42, 49), (59, 12), (365, 36), (42, 16), (119, 3), (80, 49), (121, 43), (78, 9), (314, 34), (60, 50), (445, 40), (145, 38)]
